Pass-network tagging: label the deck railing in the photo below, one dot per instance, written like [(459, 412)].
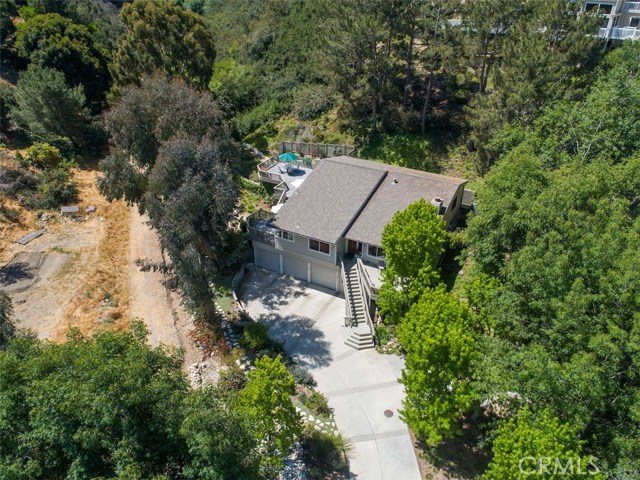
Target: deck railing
[(365, 287), (258, 228), (348, 316), (631, 7), (322, 150), (620, 33)]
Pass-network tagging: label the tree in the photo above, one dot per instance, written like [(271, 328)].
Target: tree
[(219, 439), (105, 407), (7, 102), (52, 41), (160, 35), (171, 159), (412, 242), (358, 43), (7, 327), (436, 47), (438, 336), (267, 401), (546, 55), (556, 228), (8, 10), (539, 444), (50, 110)]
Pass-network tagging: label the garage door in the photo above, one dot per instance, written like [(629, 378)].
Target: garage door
[(295, 267), (267, 259), (323, 276)]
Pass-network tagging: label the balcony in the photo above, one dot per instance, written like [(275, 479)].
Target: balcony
[(620, 33), (260, 229), (631, 7)]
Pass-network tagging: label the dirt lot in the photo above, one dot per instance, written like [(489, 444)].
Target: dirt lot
[(81, 272)]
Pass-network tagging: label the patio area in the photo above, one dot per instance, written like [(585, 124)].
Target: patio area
[(291, 173)]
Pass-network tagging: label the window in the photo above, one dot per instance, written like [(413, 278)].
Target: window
[(374, 251), (603, 8), (635, 22), (286, 235), (318, 246)]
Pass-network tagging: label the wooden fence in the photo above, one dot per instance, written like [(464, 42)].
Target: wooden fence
[(322, 150)]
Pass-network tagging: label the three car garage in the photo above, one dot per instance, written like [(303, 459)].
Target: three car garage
[(324, 276)]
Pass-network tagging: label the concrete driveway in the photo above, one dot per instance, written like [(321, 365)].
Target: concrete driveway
[(360, 385)]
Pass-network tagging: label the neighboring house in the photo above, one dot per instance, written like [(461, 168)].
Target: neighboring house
[(620, 18), (329, 230)]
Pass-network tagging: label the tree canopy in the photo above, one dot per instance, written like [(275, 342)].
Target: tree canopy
[(171, 159), (161, 35), (413, 242), (51, 111), (438, 335), (55, 42)]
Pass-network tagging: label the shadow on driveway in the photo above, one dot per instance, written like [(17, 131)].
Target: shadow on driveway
[(270, 290), (302, 340)]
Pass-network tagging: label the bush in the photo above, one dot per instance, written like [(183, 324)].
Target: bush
[(302, 376), (383, 335), (44, 155), (254, 337), (325, 453), (312, 101), (316, 402), (56, 188)]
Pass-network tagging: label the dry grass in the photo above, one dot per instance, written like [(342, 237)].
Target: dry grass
[(103, 301)]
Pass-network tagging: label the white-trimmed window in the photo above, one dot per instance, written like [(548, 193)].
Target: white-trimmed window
[(635, 22), (374, 251), (318, 246), (286, 235)]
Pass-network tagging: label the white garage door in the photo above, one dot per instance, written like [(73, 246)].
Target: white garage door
[(295, 267), (323, 276), (268, 260)]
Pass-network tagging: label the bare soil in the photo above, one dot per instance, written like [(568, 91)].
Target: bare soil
[(81, 272)]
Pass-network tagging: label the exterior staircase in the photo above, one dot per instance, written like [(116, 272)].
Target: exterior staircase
[(357, 329)]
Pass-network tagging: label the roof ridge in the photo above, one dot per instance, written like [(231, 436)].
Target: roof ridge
[(389, 167)]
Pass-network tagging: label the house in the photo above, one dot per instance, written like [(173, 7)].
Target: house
[(329, 230), (620, 18)]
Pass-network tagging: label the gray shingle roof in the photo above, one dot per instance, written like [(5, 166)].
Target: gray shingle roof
[(356, 198), (326, 203)]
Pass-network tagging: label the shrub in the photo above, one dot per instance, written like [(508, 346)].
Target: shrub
[(325, 453), (56, 188), (254, 337), (383, 335), (312, 101), (44, 155), (316, 402), (302, 375)]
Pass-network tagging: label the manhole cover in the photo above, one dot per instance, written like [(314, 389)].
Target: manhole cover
[(388, 413)]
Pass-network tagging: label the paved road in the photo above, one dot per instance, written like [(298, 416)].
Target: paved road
[(360, 385)]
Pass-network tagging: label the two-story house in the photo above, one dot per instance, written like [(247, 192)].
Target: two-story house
[(329, 231)]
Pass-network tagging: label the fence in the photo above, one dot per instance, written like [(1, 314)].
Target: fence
[(322, 150)]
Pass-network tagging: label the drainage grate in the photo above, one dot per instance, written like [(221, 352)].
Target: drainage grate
[(388, 413)]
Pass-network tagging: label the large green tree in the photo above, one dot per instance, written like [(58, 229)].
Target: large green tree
[(438, 336), (413, 242), (51, 111), (539, 445), (113, 407), (267, 401), (53, 41), (171, 159), (161, 35), (556, 229)]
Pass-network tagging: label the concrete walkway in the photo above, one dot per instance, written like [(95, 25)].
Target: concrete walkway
[(360, 385)]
